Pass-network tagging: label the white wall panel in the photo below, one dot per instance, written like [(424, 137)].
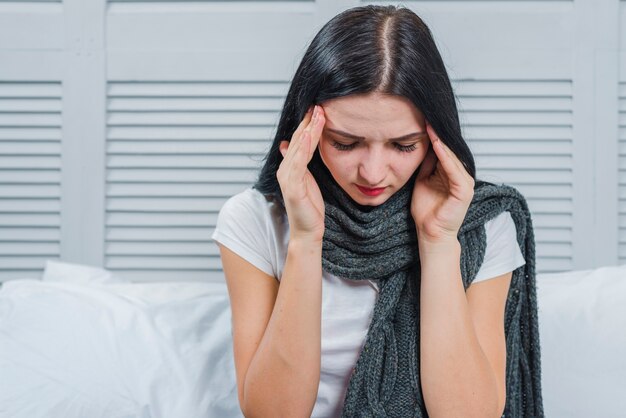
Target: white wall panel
[(622, 171), (30, 176), (31, 25), (622, 135), (51, 67), (164, 109), (520, 132), (208, 40), (263, 25), (175, 152)]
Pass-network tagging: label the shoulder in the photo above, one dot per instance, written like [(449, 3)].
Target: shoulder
[(502, 253), (248, 225), (248, 204), (501, 224), (502, 228), (501, 234), (247, 199)]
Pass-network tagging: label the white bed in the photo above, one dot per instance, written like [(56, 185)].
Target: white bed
[(81, 342)]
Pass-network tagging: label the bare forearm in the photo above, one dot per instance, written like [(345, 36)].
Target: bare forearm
[(283, 377), (457, 379)]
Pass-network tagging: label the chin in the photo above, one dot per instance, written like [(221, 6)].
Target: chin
[(370, 201)]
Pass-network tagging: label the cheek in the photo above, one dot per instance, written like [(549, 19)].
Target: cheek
[(412, 162), (331, 156), (420, 159), (339, 163), (324, 151)]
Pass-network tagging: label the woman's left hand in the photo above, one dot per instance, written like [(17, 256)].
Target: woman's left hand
[(442, 193)]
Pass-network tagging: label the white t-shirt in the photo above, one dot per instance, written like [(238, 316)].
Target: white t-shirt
[(257, 230)]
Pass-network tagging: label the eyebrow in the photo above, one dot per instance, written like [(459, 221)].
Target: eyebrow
[(360, 138)]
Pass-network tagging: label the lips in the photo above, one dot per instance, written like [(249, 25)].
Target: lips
[(371, 192)]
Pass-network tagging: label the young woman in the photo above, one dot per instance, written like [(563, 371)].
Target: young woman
[(369, 273)]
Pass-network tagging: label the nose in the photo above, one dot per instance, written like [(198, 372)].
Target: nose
[(373, 168)]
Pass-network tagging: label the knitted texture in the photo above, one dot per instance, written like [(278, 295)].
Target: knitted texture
[(380, 243)]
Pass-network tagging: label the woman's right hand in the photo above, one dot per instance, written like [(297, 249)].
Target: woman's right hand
[(302, 196)]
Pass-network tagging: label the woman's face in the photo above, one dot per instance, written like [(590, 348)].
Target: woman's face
[(372, 141)]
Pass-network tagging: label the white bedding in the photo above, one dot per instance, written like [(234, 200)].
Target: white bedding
[(582, 330), (82, 342), (105, 348)]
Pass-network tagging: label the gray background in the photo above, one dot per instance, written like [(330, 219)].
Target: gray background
[(124, 126)]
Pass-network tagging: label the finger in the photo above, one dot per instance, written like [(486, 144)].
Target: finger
[(315, 130), (457, 162), (445, 162), (433, 134), (285, 171), (298, 164), (290, 146), (295, 138), (449, 167), (304, 123), (288, 149)]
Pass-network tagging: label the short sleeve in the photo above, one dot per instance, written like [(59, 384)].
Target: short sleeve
[(242, 227), (502, 253)]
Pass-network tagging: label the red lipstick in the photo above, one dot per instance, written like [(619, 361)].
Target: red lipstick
[(371, 192)]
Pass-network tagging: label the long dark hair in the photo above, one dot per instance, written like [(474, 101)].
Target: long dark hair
[(385, 49)]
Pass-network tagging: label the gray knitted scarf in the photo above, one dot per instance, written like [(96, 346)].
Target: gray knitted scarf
[(380, 243)]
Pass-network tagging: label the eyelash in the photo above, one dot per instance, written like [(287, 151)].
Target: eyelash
[(402, 148)]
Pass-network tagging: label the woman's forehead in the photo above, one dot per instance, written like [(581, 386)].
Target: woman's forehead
[(361, 115)]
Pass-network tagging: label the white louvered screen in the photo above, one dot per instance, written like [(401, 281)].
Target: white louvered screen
[(30, 177), (520, 132), (169, 106), (198, 1), (622, 172), (175, 153)]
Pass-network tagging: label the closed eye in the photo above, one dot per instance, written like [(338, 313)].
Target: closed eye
[(405, 148), (348, 147), (343, 147)]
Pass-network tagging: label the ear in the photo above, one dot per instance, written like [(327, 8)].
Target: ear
[(282, 147)]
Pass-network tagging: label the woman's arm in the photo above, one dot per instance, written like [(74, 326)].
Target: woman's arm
[(456, 376), (284, 374)]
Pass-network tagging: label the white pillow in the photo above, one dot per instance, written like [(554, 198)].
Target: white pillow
[(61, 271), (165, 349), (72, 350), (582, 330)]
